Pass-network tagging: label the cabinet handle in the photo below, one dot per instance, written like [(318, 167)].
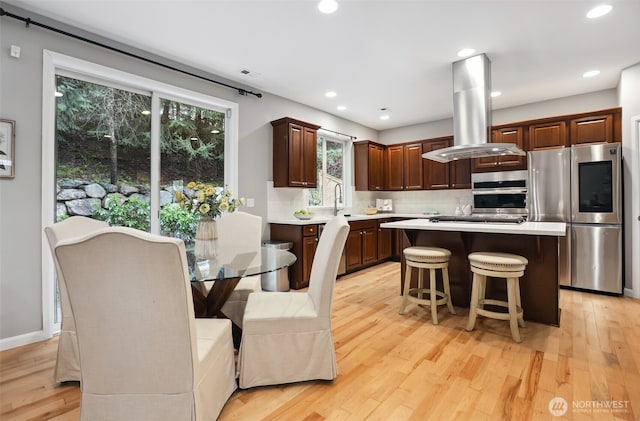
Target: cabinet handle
[(510, 132), (591, 122)]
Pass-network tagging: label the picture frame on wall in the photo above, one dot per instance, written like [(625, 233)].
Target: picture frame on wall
[(7, 148)]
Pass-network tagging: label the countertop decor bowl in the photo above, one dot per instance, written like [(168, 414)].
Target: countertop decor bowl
[(303, 216), (370, 211)]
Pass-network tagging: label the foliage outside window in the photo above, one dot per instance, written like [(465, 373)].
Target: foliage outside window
[(103, 136), (330, 167)]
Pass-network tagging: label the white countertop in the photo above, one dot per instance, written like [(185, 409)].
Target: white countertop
[(557, 229), (323, 219)]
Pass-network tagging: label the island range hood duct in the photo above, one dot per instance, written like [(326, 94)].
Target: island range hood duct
[(472, 114)]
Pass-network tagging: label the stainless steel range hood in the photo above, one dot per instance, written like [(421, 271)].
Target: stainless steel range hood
[(472, 114)]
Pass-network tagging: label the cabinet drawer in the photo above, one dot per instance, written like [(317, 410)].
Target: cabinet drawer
[(362, 225), (310, 230)]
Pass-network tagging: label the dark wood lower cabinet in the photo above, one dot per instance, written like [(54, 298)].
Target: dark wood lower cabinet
[(367, 244), (305, 241), (362, 244)]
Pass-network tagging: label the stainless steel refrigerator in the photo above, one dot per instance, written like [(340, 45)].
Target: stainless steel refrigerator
[(581, 186)]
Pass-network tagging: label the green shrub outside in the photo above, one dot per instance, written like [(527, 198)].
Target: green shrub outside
[(178, 222), (133, 213)]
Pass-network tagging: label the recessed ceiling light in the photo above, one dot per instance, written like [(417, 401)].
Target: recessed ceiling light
[(328, 6), (599, 11), (330, 94), (384, 117), (194, 138), (58, 94), (495, 94), (145, 112), (215, 131), (466, 52), (107, 136), (341, 107), (591, 73)]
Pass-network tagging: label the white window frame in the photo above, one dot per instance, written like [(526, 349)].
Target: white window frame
[(56, 63), (347, 169)]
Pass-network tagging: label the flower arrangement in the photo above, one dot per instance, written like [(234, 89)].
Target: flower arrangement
[(206, 200)]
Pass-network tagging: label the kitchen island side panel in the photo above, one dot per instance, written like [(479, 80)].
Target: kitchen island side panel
[(539, 288)]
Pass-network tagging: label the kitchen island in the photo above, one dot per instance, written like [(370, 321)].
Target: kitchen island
[(537, 241)]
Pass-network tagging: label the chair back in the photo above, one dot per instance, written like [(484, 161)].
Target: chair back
[(131, 298), (324, 269), (238, 232), (75, 226)]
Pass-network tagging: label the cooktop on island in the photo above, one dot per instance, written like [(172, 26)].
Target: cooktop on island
[(486, 218)]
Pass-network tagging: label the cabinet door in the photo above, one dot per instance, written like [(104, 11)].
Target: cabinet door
[(369, 246), (412, 166), (596, 129), (354, 250), (309, 245), (460, 174), (511, 135), (487, 163), (309, 151), (395, 172), (376, 167), (436, 174), (385, 241), (296, 153), (549, 135)]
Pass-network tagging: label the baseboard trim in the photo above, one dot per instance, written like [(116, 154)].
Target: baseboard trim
[(21, 340)]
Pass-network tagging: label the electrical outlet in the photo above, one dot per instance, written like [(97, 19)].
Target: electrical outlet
[(251, 203), (15, 51)]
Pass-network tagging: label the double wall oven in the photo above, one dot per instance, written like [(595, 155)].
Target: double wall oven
[(500, 193)]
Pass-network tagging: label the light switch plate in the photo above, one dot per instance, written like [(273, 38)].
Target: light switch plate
[(15, 51)]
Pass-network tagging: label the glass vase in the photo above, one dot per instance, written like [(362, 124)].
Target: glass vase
[(206, 238)]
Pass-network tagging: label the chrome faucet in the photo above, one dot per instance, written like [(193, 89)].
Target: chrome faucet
[(335, 198)]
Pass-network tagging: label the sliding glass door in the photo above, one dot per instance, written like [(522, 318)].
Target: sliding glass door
[(117, 147)]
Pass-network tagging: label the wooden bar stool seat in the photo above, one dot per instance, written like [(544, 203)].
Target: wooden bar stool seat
[(431, 258), (503, 266)]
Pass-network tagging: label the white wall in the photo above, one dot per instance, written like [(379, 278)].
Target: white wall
[(21, 233), (629, 93)]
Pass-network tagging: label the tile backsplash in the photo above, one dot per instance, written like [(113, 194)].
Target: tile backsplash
[(282, 202)]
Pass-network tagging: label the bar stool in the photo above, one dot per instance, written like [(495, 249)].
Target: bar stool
[(430, 258), (497, 265)]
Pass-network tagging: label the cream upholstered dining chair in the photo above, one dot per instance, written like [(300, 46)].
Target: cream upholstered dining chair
[(286, 336), (239, 232), (67, 361), (143, 354)]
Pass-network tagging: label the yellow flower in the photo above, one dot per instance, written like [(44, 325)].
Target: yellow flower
[(209, 191), (200, 196), (182, 204), (224, 206), (191, 185), (204, 208), (178, 196)]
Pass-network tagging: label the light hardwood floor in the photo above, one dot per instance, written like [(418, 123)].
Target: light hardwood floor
[(394, 367)]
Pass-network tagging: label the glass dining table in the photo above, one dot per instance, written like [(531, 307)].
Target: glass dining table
[(226, 275)]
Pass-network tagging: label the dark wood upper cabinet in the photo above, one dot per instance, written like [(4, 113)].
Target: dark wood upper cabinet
[(514, 134), (593, 129), (412, 166), (395, 167), (436, 174), (404, 167), (548, 135), (460, 174), (294, 153), (369, 165), (439, 176)]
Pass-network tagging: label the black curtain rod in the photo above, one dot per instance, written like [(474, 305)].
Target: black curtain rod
[(29, 21), (338, 133)]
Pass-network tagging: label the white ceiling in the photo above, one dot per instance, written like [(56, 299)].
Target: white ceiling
[(377, 53)]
